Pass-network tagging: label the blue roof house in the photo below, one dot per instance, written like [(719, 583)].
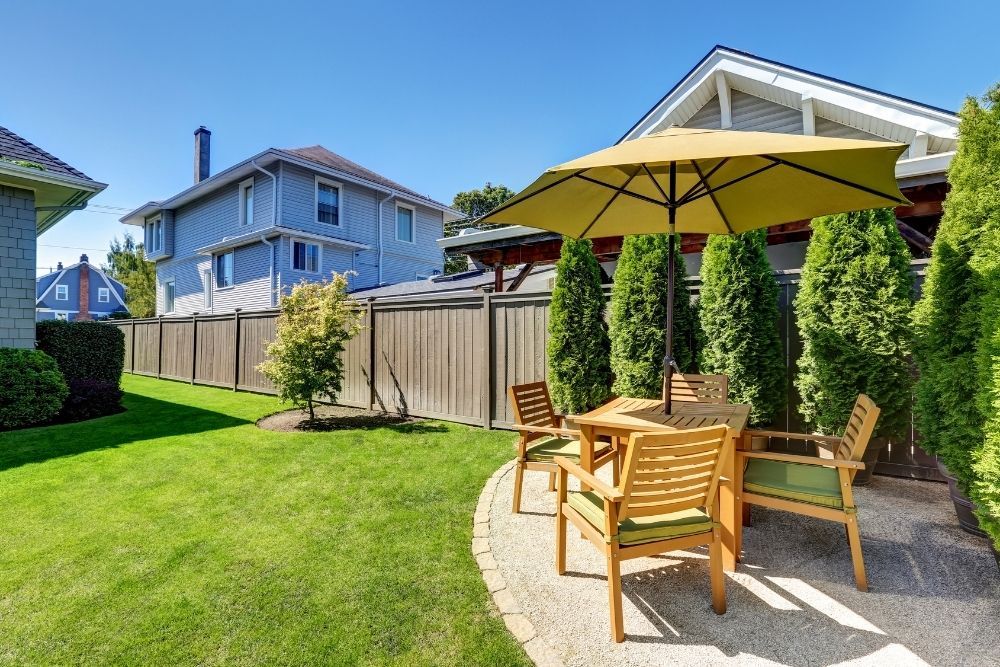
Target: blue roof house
[(78, 292)]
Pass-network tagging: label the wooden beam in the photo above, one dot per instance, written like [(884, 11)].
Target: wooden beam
[(920, 210), (918, 147), (498, 278), (725, 103), (914, 237), (808, 116), (521, 276)]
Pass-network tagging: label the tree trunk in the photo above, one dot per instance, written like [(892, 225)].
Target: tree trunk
[(312, 412)]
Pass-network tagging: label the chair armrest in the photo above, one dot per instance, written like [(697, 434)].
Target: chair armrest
[(551, 430), (831, 439), (589, 479), (807, 460)]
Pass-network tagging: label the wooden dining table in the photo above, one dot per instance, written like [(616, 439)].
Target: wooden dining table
[(623, 416)]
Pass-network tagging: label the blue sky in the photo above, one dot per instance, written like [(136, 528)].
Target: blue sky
[(441, 97)]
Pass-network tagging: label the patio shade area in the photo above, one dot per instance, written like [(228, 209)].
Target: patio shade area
[(934, 594)]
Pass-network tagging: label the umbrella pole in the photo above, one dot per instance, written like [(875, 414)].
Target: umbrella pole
[(668, 359)]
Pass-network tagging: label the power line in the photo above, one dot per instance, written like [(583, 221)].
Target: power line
[(72, 247)]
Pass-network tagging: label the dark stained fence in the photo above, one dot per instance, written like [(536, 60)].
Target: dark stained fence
[(448, 357)]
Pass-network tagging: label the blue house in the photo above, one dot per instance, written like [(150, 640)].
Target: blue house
[(78, 292), (239, 238)]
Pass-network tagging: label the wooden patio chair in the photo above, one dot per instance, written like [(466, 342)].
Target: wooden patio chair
[(811, 485), (543, 436), (689, 388), (667, 499)]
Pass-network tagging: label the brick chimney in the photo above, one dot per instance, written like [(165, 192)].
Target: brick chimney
[(84, 313), (58, 266), (202, 153)]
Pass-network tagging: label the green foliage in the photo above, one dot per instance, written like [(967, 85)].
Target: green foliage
[(91, 356), (949, 318), (853, 311), (27, 164), (127, 264), (32, 389), (639, 316), (304, 359), (578, 346), (738, 307), (474, 204)]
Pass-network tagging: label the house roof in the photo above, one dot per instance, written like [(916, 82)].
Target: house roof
[(44, 284), (466, 281), (326, 157), (19, 148)]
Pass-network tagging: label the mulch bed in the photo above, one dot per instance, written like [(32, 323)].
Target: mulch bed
[(331, 418)]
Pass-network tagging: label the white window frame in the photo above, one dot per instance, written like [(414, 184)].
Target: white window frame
[(291, 255), (340, 201), (64, 291), (173, 306), (413, 222), (62, 315), (215, 273), (208, 275), (248, 183), (155, 235), (103, 295)]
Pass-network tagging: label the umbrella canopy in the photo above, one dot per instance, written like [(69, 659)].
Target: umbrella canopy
[(705, 181)]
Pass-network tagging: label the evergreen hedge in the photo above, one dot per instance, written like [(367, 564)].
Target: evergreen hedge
[(639, 316), (32, 389), (738, 308), (91, 356), (578, 348), (853, 310)]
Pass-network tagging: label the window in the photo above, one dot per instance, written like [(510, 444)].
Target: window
[(62, 293), (224, 270), (404, 223), (207, 280), (246, 202), (103, 295), (62, 316), (168, 296), (155, 235), (327, 202), (305, 256)]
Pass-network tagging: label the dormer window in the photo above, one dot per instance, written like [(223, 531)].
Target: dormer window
[(62, 293), (246, 202), (328, 198)]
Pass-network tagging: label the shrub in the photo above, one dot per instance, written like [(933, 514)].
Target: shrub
[(89, 354), (853, 310), (578, 347), (639, 316), (32, 389), (738, 307), (305, 358), (949, 318)]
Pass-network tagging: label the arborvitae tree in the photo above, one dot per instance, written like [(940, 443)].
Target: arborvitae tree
[(948, 319), (639, 316), (578, 345), (853, 311), (738, 306)]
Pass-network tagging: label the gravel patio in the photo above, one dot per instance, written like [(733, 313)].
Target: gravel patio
[(934, 590)]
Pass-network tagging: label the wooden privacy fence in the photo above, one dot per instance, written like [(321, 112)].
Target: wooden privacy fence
[(447, 357)]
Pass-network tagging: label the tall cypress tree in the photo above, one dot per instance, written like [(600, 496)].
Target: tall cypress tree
[(639, 316), (578, 346), (738, 308), (853, 310)]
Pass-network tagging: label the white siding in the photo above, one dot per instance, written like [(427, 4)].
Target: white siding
[(753, 113), (709, 117), (827, 128)]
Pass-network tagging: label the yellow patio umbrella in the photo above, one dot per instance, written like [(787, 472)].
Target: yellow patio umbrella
[(706, 182)]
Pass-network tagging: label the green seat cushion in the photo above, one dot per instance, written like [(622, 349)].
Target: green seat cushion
[(641, 529), (817, 485), (546, 449)]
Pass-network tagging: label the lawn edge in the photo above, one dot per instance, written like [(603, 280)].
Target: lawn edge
[(517, 623)]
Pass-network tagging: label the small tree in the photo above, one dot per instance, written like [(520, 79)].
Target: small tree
[(639, 316), (738, 308), (127, 264), (474, 204), (853, 311), (316, 320), (578, 346)]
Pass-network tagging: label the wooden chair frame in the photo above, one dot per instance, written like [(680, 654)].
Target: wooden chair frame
[(847, 451), (535, 418), (688, 477), (690, 388)]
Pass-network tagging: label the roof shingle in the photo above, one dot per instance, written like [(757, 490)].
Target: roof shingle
[(18, 148)]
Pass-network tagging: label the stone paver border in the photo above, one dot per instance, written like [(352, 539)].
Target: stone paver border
[(516, 622)]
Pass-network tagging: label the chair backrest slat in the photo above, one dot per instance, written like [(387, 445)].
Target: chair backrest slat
[(672, 471), (689, 388), (858, 431), (532, 407)]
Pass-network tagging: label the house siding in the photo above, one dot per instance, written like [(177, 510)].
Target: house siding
[(754, 113), (17, 267), (709, 117)]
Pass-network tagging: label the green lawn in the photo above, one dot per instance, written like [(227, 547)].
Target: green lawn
[(179, 533)]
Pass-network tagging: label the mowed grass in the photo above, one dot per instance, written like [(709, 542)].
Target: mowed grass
[(179, 533)]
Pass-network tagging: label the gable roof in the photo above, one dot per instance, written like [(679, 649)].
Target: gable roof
[(44, 284), (19, 148), (321, 155)]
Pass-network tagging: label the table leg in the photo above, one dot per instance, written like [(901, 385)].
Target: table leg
[(727, 508), (586, 451)]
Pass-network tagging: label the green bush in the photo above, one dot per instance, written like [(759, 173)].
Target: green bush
[(853, 310), (738, 306), (949, 318), (639, 316), (32, 389), (578, 347), (91, 356)]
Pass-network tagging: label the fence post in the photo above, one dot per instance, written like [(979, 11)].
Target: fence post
[(131, 368), (194, 345), (371, 354), (159, 345), (236, 349), (487, 389)]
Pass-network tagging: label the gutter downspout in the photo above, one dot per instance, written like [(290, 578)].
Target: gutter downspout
[(274, 223), (270, 273), (388, 195)]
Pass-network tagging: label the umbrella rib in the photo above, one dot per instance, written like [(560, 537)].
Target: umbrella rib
[(621, 190), (512, 202), (608, 205), (703, 183), (666, 199), (753, 173), (835, 179), (711, 194)]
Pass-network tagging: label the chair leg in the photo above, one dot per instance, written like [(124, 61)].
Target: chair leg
[(616, 469), (738, 529), (552, 481), (716, 574), (854, 538), (560, 541), (518, 478), (615, 595)]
